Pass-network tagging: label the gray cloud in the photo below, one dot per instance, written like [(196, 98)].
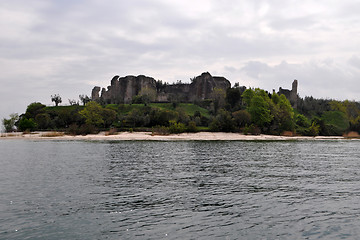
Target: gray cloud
[(67, 47)]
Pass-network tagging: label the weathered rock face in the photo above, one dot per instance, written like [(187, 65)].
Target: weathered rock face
[(122, 90)]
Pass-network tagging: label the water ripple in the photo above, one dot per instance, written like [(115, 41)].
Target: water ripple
[(179, 190)]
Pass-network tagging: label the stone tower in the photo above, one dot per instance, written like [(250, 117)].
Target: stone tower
[(293, 94)]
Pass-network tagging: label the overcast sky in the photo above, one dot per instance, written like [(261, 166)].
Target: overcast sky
[(69, 46)]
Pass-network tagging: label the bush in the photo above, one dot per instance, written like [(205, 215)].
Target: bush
[(176, 127), (160, 130), (84, 129), (252, 129), (191, 127), (222, 122), (27, 124)]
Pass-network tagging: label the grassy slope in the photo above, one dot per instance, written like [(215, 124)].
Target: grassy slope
[(68, 108), (189, 108)]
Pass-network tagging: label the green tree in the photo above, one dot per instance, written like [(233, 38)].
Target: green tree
[(233, 97), (9, 124), (241, 118), (259, 111), (223, 122), (93, 114), (285, 114), (176, 127), (336, 122), (27, 124), (314, 129), (34, 109), (302, 121), (218, 96), (109, 117), (42, 120), (247, 96)]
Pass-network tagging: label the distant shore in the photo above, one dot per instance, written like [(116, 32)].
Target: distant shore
[(148, 136)]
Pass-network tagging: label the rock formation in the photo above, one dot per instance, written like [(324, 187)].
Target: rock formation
[(123, 89)]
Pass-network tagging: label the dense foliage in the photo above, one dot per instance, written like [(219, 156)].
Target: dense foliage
[(238, 109)]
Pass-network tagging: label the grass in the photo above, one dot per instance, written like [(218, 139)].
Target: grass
[(67, 108), (189, 108)]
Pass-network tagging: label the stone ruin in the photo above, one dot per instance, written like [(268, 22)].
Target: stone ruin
[(292, 94), (124, 89)]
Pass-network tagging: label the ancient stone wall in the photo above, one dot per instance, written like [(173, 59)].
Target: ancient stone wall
[(123, 89)]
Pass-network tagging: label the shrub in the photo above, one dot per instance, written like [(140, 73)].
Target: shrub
[(176, 127), (191, 127), (27, 124)]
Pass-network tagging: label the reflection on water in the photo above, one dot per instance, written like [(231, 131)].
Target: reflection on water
[(179, 190)]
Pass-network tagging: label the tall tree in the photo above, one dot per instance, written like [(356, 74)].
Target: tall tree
[(218, 96), (93, 114), (9, 124), (56, 99), (259, 111), (84, 99)]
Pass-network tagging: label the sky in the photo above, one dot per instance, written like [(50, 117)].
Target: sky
[(67, 47)]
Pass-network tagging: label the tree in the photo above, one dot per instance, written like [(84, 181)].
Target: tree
[(285, 115), (27, 124), (247, 96), (259, 111), (222, 122), (336, 122), (43, 120), (218, 96), (109, 116), (9, 124), (233, 96), (93, 114), (73, 102), (241, 118), (56, 99), (84, 99), (34, 109)]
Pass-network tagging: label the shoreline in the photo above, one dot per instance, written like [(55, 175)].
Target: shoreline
[(148, 136)]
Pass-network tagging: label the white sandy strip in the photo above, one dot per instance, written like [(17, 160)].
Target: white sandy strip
[(127, 136)]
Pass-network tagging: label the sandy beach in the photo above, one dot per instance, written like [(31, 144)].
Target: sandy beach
[(148, 136)]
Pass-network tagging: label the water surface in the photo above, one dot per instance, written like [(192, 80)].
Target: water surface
[(179, 190)]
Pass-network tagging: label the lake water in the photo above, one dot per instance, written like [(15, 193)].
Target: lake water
[(179, 190)]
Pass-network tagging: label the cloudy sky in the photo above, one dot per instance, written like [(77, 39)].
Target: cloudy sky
[(69, 46)]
